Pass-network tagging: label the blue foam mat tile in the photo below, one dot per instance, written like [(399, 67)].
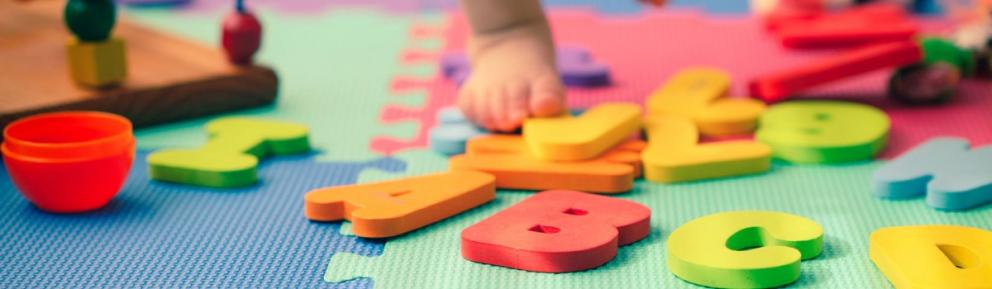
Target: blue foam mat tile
[(158, 235)]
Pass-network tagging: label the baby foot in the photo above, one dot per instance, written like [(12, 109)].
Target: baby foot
[(513, 78)]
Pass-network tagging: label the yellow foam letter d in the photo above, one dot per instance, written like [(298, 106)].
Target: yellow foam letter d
[(933, 257)]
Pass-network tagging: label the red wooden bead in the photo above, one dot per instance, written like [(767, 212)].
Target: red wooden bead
[(241, 36)]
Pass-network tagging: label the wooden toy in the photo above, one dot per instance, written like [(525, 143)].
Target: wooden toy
[(95, 59), (924, 83), (241, 34), (97, 63), (942, 50), (452, 131), (393, 208), (935, 79), (584, 137), (743, 249), (68, 162), (674, 155), (933, 256), (783, 84), (871, 23), (575, 64), (701, 95), (506, 157), (160, 86), (230, 157), (814, 132), (656, 3), (556, 231), (951, 176), (90, 20)]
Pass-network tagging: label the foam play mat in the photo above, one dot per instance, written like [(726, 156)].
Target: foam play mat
[(365, 77)]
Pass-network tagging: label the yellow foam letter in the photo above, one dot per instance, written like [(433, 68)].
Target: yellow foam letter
[(584, 137), (673, 154), (933, 257), (701, 95)]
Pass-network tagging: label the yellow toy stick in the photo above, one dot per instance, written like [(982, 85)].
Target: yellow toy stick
[(701, 95), (674, 155), (584, 137), (743, 249), (933, 257)]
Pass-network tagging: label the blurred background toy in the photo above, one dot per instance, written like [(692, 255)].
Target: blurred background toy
[(241, 34)]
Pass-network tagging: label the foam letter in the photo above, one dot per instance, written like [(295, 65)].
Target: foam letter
[(507, 158), (392, 208), (743, 249), (950, 175), (583, 137), (230, 157), (933, 257), (701, 95), (673, 155), (823, 131), (556, 231)]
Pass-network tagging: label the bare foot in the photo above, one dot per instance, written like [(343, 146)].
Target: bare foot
[(513, 77)]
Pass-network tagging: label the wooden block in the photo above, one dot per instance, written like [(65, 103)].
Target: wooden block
[(557, 231), (823, 131), (933, 256), (743, 249), (701, 95), (945, 170), (674, 155), (230, 157), (97, 64), (393, 208), (584, 137), (507, 158), (168, 78)]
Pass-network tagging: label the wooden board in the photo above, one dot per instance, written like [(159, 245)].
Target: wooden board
[(168, 79)]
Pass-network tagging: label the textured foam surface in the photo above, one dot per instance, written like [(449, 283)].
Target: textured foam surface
[(837, 197), (645, 50), (334, 77), (342, 69), (158, 235)]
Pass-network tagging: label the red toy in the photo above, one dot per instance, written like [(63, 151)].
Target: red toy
[(780, 85), (862, 25), (241, 35), (557, 231), (69, 162)]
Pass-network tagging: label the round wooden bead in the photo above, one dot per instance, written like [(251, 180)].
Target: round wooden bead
[(241, 36), (90, 20)]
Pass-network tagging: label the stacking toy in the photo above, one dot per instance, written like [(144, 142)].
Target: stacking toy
[(241, 35), (68, 162), (95, 58)]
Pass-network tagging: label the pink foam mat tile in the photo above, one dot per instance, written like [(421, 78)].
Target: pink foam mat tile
[(643, 50)]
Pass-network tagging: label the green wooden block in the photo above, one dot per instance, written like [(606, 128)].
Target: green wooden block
[(230, 157)]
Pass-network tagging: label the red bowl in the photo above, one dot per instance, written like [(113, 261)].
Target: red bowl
[(69, 162)]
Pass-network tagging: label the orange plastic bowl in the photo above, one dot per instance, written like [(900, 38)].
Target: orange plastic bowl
[(67, 162)]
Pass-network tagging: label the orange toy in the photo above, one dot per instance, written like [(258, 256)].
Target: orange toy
[(393, 208), (507, 158)]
